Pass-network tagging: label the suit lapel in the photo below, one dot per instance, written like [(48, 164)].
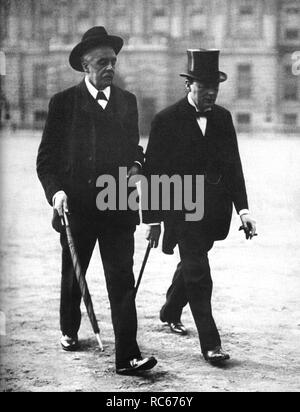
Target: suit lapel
[(188, 119), (117, 102), (191, 130), (185, 110), (86, 101)]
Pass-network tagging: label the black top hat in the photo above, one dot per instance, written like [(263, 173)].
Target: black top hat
[(203, 65), (96, 36)]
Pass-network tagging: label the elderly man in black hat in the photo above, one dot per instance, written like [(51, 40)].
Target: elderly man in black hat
[(197, 137), (92, 130)]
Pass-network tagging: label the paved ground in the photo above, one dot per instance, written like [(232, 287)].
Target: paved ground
[(256, 295)]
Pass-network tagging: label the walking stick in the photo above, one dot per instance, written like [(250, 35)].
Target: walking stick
[(82, 281), (142, 269)]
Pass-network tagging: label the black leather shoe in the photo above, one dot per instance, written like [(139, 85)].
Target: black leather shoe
[(137, 365), (161, 315), (178, 328), (216, 355), (69, 344)]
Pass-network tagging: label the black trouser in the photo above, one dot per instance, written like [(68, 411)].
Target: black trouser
[(116, 248), (192, 284)]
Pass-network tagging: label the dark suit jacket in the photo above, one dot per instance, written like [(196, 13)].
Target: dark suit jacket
[(177, 146), (71, 152)]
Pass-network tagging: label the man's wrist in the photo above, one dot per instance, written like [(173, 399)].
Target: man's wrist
[(137, 163), (243, 212)]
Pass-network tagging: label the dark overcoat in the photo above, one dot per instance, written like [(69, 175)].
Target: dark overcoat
[(177, 146), (81, 141)]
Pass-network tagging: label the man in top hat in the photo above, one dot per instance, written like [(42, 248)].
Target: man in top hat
[(197, 137), (91, 130)]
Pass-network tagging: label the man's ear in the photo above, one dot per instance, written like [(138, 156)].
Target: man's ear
[(85, 66)]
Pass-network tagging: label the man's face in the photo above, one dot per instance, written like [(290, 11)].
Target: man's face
[(204, 95), (99, 64)]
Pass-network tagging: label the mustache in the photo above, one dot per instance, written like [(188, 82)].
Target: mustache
[(109, 73)]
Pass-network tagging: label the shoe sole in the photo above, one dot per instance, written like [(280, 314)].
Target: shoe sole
[(182, 333), (145, 367), (70, 348), (217, 361)]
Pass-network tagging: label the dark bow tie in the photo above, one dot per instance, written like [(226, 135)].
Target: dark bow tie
[(202, 114), (101, 96)]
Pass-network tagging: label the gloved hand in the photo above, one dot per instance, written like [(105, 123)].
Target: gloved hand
[(60, 202)]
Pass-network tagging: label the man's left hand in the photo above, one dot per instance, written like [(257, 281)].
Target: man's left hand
[(249, 226)]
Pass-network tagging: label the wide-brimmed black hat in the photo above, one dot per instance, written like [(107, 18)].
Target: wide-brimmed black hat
[(203, 65), (96, 36)]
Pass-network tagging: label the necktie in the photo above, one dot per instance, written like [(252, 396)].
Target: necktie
[(202, 114), (101, 96)]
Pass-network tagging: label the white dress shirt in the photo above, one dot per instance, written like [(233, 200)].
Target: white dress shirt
[(93, 91), (202, 121)]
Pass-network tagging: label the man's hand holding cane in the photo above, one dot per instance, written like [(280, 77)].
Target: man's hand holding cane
[(60, 202)]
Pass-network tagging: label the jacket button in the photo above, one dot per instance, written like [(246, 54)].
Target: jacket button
[(90, 181)]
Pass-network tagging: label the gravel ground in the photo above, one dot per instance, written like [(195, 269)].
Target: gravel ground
[(256, 290)]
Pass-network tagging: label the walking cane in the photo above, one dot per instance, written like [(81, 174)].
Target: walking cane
[(142, 269), (82, 281)]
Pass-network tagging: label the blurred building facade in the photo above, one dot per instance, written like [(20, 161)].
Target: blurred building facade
[(256, 39)]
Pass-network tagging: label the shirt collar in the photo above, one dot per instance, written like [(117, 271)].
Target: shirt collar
[(192, 103), (93, 91)]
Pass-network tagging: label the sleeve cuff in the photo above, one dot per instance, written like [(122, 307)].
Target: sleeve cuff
[(244, 212), (138, 163)]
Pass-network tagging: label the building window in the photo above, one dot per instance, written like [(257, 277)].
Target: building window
[(245, 18), (40, 116), (46, 20), (290, 91), (120, 17), (290, 119), (160, 17), (292, 34), (290, 22), (246, 10), (83, 21), (40, 80), (63, 20), (244, 81), (198, 18), (292, 10), (290, 84), (4, 14), (244, 119), (47, 25)]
